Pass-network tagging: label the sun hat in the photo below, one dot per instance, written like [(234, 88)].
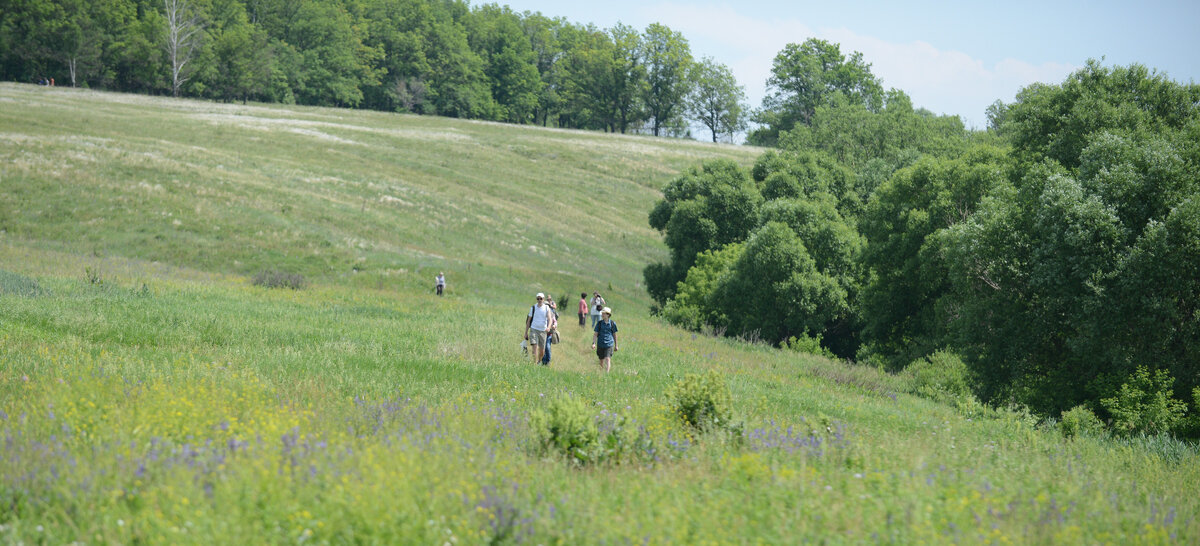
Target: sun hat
[(606, 311)]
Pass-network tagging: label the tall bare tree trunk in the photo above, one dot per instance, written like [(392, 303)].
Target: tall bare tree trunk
[(183, 36)]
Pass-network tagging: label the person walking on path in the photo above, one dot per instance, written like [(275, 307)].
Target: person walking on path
[(439, 283), (537, 327), (604, 339), (598, 304), (550, 334), (583, 308), (550, 330)]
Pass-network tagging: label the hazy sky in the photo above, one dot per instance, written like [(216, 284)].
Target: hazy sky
[(952, 57)]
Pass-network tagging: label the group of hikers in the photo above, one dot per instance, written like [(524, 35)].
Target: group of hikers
[(541, 325), (541, 328)]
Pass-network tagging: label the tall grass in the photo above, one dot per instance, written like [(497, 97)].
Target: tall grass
[(177, 402)]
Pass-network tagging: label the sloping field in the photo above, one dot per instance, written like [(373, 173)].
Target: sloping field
[(332, 193), (151, 392)]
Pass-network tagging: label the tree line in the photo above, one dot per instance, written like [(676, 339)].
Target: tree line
[(435, 57), (1054, 256)]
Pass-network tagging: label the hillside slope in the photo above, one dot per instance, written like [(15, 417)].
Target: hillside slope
[(332, 193), (150, 392)]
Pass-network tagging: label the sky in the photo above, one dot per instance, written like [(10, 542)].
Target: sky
[(950, 57)]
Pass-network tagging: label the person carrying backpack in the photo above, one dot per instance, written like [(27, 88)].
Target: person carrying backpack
[(538, 325), (604, 339)]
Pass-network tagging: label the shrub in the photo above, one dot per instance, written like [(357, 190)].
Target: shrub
[(941, 376), (568, 427), (271, 278), (809, 344), (970, 407), (1144, 404), (1080, 421), (703, 402)]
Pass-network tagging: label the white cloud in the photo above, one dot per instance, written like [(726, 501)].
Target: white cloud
[(943, 81)]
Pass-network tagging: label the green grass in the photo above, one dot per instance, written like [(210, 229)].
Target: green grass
[(151, 393)]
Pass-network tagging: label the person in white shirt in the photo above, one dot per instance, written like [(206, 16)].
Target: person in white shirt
[(538, 323), (598, 303), (439, 283)]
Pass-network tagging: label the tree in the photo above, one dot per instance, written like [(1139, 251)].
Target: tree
[(604, 78), (667, 58), (240, 53), (497, 37), (627, 77), (1055, 121), (706, 208), (547, 40), (81, 40), (854, 134), (693, 305), (716, 100), (1053, 292), (184, 35), (804, 77), (774, 289), (904, 307)]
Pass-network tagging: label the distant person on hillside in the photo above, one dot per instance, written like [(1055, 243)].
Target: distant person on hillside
[(598, 304), (583, 308), (604, 339), (537, 326), (439, 283)]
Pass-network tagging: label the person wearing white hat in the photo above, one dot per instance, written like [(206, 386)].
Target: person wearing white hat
[(604, 339), (537, 326)]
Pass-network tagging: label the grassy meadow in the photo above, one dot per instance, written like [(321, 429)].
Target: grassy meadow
[(150, 392)]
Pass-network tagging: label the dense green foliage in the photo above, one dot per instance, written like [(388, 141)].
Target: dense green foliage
[(1055, 296), (1054, 253), (807, 76), (422, 56)]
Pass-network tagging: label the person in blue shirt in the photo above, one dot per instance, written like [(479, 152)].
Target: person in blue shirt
[(604, 339)]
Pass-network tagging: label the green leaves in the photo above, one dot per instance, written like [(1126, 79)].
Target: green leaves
[(806, 76)]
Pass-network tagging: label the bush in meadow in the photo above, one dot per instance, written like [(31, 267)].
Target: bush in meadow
[(703, 402), (1144, 404), (570, 428), (1080, 421), (941, 376), (810, 345), (270, 278)]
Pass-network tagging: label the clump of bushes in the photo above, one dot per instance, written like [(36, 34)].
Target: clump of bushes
[(1080, 421), (569, 427), (941, 376), (809, 344), (270, 278), (703, 402), (1144, 404)]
